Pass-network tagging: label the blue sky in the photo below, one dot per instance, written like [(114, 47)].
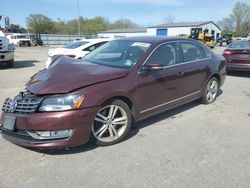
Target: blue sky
[(143, 12)]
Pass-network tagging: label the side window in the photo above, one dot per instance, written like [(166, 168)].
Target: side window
[(93, 47), (100, 44), (192, 51), (165, 55)]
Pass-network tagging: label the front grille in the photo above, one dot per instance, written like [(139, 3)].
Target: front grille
[(23, 105)]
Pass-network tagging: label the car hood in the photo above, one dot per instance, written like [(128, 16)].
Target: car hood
[(67, 74)]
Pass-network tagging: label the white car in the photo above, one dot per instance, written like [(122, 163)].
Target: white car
[(75, 50), (79, 39)]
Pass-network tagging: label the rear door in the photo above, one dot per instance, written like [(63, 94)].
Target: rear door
[(195, 65)]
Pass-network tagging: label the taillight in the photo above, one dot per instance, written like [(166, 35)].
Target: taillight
[(71, 55), (227, 52)]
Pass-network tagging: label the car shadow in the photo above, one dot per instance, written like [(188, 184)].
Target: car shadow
[(170, 114), (239, 73), (66, 151), (19, 64)]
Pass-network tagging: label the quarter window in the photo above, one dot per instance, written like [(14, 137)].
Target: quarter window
[(93, 47), (165, 55), (192, 52)]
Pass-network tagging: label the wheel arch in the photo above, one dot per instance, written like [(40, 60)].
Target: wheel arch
[(126, 100), (217, 76)]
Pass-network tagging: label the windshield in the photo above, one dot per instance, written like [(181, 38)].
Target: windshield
[(240, 45), (75, 44), (22, 37), (118, 53)]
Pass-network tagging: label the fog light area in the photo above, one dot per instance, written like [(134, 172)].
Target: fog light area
[(44, 135)]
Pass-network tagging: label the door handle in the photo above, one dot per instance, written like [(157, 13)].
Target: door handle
[(180, 74)]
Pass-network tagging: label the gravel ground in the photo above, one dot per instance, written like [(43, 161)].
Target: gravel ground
[(191, 146)]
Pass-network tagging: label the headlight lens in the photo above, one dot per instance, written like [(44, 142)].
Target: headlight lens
[(11, 47), (62, 103)]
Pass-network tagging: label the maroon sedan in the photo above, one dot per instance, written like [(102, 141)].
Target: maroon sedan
[(238, 56), (98, 98)]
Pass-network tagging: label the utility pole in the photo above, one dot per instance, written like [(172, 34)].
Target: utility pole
[(58, 26), (78, 17)]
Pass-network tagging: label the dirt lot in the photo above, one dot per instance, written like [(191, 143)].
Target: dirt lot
[(191, 146)]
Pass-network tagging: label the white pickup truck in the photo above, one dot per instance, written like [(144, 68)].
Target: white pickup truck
[(20, 39), (6, 50)]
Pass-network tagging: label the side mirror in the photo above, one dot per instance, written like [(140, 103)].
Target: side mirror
[(153, 66)]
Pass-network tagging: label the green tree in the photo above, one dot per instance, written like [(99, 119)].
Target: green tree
[(238, 22), (15, 28), (38, 23), (123, 24)]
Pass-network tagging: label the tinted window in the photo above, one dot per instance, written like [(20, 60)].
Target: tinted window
[(22, 37), (240, 45), (165, 55), (192, 51)]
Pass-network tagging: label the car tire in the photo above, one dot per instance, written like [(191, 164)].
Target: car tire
[(211, 91), (111, 124), (10, 64)]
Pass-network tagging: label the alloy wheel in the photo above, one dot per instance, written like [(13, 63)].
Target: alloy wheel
[(212, 90), (110, 123)]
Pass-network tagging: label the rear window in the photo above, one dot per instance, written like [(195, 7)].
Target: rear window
[(240, 45), (193, 52), (75, 44)]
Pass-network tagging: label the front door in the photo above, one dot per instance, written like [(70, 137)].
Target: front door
[(157, 88)]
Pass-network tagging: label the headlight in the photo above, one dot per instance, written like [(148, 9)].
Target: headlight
[(61, 103), (11, 47)]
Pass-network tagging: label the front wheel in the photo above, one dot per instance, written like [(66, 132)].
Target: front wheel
[(112, 123), (211, 91)]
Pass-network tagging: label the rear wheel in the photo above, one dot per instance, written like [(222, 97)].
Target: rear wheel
[(211, 91), (112, 123)]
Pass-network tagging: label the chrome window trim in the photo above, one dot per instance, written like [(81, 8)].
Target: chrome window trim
[(178, 64), (164, 104)]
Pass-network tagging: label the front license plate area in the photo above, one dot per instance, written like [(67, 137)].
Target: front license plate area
[(9, 122)]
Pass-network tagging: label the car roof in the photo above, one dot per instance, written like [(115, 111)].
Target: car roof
[(91, 42), (154, 39), (97, 40)]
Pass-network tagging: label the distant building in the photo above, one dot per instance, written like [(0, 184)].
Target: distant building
[(170, 29), (174, 29)]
